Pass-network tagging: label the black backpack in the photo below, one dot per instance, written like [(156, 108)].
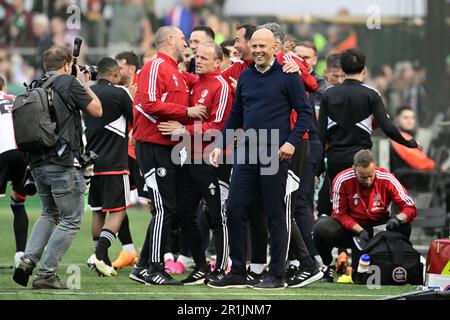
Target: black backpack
[(36, 128), (398, 261)]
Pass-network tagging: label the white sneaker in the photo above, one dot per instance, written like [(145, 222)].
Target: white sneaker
[(17, 257), (103, 268), (91, 262)]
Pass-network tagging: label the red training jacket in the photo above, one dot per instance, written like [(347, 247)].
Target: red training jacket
[(213, 92), (162, 95), (353, 204)]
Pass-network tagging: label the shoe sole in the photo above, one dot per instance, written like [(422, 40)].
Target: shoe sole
[(47, 288), (163, 284), (21, 277), (236, 286), (279, 288), (135, 278), (314, 278), (194, 283)]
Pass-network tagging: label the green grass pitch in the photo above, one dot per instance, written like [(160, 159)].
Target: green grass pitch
[(121, 288)]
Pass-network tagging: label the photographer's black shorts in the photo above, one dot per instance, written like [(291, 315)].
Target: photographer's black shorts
[(12, 168), (109, 193)]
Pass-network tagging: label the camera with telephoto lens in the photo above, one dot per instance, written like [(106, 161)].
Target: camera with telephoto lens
[(29, 184), (87, 159), (91, 70)]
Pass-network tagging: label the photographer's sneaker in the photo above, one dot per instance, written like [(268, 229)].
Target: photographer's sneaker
[(305, 277), (138, 274), (197, 276), (23, 271), (48, 282)]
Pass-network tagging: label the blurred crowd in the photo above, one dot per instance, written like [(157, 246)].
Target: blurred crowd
[(28, 28)]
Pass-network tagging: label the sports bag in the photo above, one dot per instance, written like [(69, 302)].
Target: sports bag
[(398, 261)]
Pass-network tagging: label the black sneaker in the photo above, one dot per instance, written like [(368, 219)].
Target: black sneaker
[(49, 282), (229, 281), (138, 274), (305, 277), (197, 276), (217, 274), (161, 278), (23, 271), (291, 272), (270, 283), (328, 274), (253, 277)]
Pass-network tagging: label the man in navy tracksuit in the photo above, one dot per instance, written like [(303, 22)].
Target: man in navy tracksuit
[(265, 97)]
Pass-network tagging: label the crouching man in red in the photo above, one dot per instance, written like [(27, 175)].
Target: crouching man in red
[(361, 199)]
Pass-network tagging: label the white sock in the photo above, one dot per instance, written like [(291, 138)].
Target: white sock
[(129, 248), (168, 256), (257, 268), (294, 263), (319, 259), (183, 260)]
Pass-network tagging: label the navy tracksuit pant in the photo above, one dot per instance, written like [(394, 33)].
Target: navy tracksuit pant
[(246, 183)]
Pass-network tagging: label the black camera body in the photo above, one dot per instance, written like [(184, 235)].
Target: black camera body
[(92, 70), (88, 158), (29, 184)]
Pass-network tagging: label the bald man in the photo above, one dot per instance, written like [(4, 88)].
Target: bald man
[(265, 97), (162, 95)]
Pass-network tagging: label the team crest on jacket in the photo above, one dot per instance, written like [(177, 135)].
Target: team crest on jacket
[(212, 189), (175, 79), (162, 172), (355, 199), (203, 95)]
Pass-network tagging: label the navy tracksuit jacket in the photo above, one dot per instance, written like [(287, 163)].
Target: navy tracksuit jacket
[(264, 101)]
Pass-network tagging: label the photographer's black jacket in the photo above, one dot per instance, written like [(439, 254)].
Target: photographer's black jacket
[(108, 136), (346, 116), (70, 97)]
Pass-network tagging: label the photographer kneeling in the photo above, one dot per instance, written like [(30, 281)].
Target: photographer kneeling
[(58, 174)]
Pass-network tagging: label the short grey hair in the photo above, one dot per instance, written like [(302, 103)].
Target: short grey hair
[(162, 34), (363, 158), (277, 31)]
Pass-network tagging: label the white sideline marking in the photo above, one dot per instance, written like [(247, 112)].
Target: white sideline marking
[(191, 293)]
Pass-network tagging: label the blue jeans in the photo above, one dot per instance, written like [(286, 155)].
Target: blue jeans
[(61, 190)]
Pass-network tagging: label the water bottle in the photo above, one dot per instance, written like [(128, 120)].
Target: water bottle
[(364, 263)]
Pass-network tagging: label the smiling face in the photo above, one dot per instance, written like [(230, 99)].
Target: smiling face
[(242, 45), (263, 47)]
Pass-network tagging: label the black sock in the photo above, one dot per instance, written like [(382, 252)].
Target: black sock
[(20, 224), (124, 232), (107, 237)]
